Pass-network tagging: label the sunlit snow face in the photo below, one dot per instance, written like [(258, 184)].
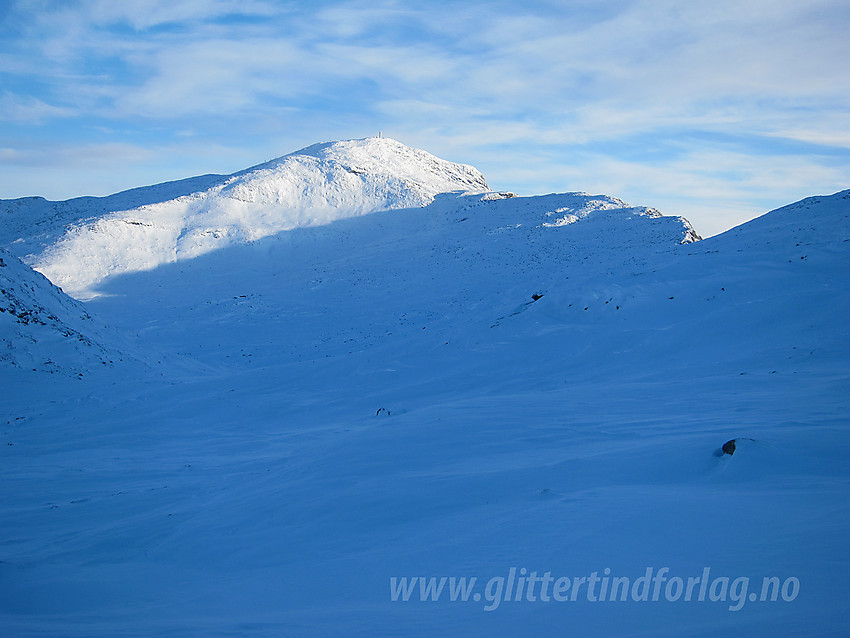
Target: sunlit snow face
[(90, 240)]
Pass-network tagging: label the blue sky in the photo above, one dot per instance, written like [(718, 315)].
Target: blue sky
[(716, 110)]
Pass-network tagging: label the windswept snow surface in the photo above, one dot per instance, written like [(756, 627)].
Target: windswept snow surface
[(452, 390)]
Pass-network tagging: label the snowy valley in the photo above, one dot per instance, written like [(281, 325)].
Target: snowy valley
[(262, 397)]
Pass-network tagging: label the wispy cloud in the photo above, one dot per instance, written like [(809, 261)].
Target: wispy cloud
[(29, 110)]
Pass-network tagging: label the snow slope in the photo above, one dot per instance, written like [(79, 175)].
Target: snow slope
[(479, 384), (45, 330), (79, 243)]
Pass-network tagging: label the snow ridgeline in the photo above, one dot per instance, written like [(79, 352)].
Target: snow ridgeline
[(77, 248)]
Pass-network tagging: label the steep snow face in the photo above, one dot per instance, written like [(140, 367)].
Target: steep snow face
[(42, 329), (82, 242)]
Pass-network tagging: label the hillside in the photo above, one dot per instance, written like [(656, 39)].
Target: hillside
[(45, 330), (457, 384)]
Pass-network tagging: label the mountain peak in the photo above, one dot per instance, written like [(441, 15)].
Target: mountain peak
[(78, 243), (362, 175)]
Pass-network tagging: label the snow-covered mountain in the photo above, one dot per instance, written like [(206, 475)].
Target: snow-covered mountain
[(80, 242), (454, 386)]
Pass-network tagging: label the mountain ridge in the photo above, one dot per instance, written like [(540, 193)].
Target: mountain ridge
[(79, 243)]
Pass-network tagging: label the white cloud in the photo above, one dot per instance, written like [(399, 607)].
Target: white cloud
[(83, 155), (216, 76), (652, 63), (29, 110)]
